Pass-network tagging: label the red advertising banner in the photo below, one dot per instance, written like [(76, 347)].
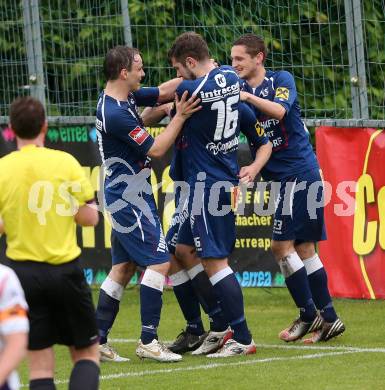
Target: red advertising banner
[(353, 164)]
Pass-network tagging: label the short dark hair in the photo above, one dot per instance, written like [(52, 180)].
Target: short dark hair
[(254, 44), (27, 117), (118, 58), (189, 44)]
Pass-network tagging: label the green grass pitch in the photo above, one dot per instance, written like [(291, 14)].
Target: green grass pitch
[(355, 360)]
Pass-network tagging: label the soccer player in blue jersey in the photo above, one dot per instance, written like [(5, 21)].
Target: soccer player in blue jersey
[(293, 163), (126, 149), (191, 285), (211, 171)]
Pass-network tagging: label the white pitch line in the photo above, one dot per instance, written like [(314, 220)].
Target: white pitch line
[(290, 346), (215, 365), (324, 348)]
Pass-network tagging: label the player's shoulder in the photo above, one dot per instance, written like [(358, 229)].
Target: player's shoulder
[(118, 113), (109, 106), (280, 75), (189, 85), (228, 69), (228, 72), (222, 77)]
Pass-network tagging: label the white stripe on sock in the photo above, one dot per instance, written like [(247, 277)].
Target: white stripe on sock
[(220, 275), (290, 264), (153, 279), (312, 264), (112, 288), (194, 271), (179, 278)]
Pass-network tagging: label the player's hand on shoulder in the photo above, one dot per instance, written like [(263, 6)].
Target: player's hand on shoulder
[(186, 107)]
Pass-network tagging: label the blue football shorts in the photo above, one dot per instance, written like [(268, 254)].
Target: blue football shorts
[(212, 221), (179, 231), (137, 234), (299, 213)]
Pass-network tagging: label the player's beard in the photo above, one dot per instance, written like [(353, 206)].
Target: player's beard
[(190, 75)]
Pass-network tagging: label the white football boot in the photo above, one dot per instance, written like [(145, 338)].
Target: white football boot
[(156, 351), (233, 348), (108, 354), (213, 342), (299, 328)]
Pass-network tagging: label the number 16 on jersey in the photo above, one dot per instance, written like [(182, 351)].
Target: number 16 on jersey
[(227, 119)]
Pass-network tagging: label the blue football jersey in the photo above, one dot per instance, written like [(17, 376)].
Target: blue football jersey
[(292, 151), (248, 125), (210, 135), (177, 166), (122, 137)]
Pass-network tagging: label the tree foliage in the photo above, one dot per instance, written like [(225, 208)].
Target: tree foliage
[(305, 37)]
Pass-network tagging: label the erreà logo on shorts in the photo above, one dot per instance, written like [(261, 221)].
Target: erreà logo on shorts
[(139, 135)]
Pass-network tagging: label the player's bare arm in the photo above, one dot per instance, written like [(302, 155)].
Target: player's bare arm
[(153, 115), (2, 231), (167, 90), (184, 109), (13, 353), (248, 173), (272, 109)]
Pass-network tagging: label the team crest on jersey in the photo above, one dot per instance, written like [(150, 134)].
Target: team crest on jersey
[(220, 80), (282, 93), (139, 135), (259, 129)]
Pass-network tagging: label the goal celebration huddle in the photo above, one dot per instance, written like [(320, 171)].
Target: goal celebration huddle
[(213, 104), (209, 105)]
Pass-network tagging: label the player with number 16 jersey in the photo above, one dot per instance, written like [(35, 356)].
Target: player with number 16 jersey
[(211, 169)]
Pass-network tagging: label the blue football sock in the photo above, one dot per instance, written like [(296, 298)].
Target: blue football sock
[(151, 290), (298, 285), (228, 291), (318, 282), (207, 298), (108, 307), (188, 302)]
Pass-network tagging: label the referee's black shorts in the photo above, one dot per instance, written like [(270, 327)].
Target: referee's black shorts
[(60, 304)]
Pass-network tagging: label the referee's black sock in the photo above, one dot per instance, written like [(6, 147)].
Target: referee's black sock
[(42, 384), (84, 375)]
